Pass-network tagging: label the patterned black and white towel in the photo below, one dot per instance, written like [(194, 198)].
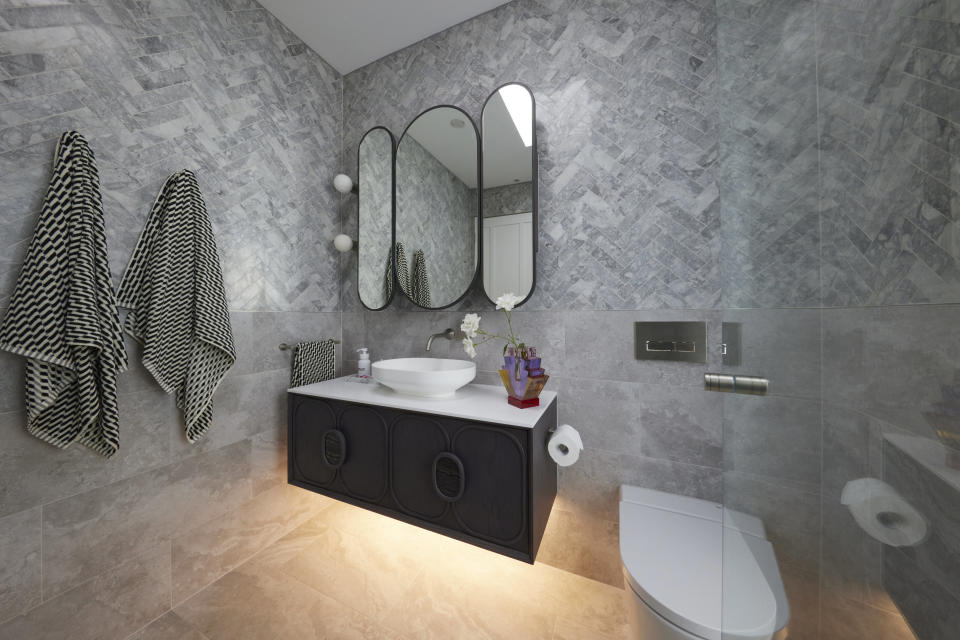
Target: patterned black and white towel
[(403, 272), (419, 284), (63, 314), (313, 361), (173, 288)]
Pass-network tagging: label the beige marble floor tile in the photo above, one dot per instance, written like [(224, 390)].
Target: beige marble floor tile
[(112, 605), (206, 552), (255, 603), (366, 572), (288, 546), (354, 573), (568, 629), (169, 626)]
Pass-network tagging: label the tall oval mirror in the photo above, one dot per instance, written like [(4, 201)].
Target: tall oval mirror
[(437, 173), (509, 192), (375, 281)]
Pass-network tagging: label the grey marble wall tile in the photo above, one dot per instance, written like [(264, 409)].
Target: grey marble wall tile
[(354, 336), (400, 335), (851, 441), (791, 516), (930, 610), (767, 169), (781, 344), (888, 201), (93, 532), (136, 378), (508, 199), (590, 487), (601, 344), (206, 552), (937, 557), (873, 362), (243, 406), (779, 438), (145, 120), (268, 459), (33, 472), (19, 563), (653, 421), (111, 605), (11, 382), (269, 329)]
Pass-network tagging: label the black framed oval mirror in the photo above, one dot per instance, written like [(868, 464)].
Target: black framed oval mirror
[(509, 196), (437, 207), (375, 190)]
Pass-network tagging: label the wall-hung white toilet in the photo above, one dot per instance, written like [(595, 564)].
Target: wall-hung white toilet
[(696, 571)]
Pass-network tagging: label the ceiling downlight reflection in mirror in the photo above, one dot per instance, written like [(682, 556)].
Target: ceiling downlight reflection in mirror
[(517, 100)]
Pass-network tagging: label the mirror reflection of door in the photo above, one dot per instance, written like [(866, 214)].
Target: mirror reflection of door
[(508, 253), (437, 181), (375, 191), (509, 192)]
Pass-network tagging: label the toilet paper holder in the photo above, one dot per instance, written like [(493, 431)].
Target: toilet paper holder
[(727, 383)]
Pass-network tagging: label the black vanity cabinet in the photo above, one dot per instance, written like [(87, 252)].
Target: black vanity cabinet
[(488, 484)]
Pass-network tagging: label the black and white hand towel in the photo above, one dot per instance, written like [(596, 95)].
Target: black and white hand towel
[(419, 284), (403, 271), (313, 361), (173, 288), (63, 314)]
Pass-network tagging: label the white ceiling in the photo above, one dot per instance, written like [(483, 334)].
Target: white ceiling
[(352, 33), (505, 159), (454, 148)]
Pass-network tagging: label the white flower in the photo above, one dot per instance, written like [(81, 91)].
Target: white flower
[(470, 325), (469, 348), (508, 301)]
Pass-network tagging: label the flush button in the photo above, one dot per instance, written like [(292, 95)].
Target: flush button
[(676, 341)]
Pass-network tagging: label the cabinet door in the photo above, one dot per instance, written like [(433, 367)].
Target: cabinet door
[(494, 501), (364, 469), (314, 425), (415, 443)]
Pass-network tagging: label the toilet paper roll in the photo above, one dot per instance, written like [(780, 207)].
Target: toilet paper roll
[(883, 513), (565, 445)]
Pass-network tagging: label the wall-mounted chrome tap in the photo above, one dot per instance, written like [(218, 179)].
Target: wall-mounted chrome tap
[(449, 334)]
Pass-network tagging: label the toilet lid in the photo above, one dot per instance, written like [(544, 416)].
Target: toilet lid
[(709, 579)]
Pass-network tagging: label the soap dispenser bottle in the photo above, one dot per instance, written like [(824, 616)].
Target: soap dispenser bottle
[(363, 366)]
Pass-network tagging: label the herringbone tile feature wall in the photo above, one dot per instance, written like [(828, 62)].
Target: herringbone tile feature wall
[(627, 139), (219, 87), (768, 164), (890, 121)]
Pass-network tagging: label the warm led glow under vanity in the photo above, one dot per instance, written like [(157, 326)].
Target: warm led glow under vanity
[(471, 467)]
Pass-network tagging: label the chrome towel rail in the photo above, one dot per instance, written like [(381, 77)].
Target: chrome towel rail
[(286, 347)]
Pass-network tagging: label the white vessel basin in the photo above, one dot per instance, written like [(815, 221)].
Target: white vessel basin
[(424, 377)]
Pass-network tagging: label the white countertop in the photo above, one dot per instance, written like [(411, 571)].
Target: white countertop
[(480, 402)]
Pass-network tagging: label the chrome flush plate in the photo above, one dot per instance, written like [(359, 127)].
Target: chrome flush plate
[(671, 341)]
